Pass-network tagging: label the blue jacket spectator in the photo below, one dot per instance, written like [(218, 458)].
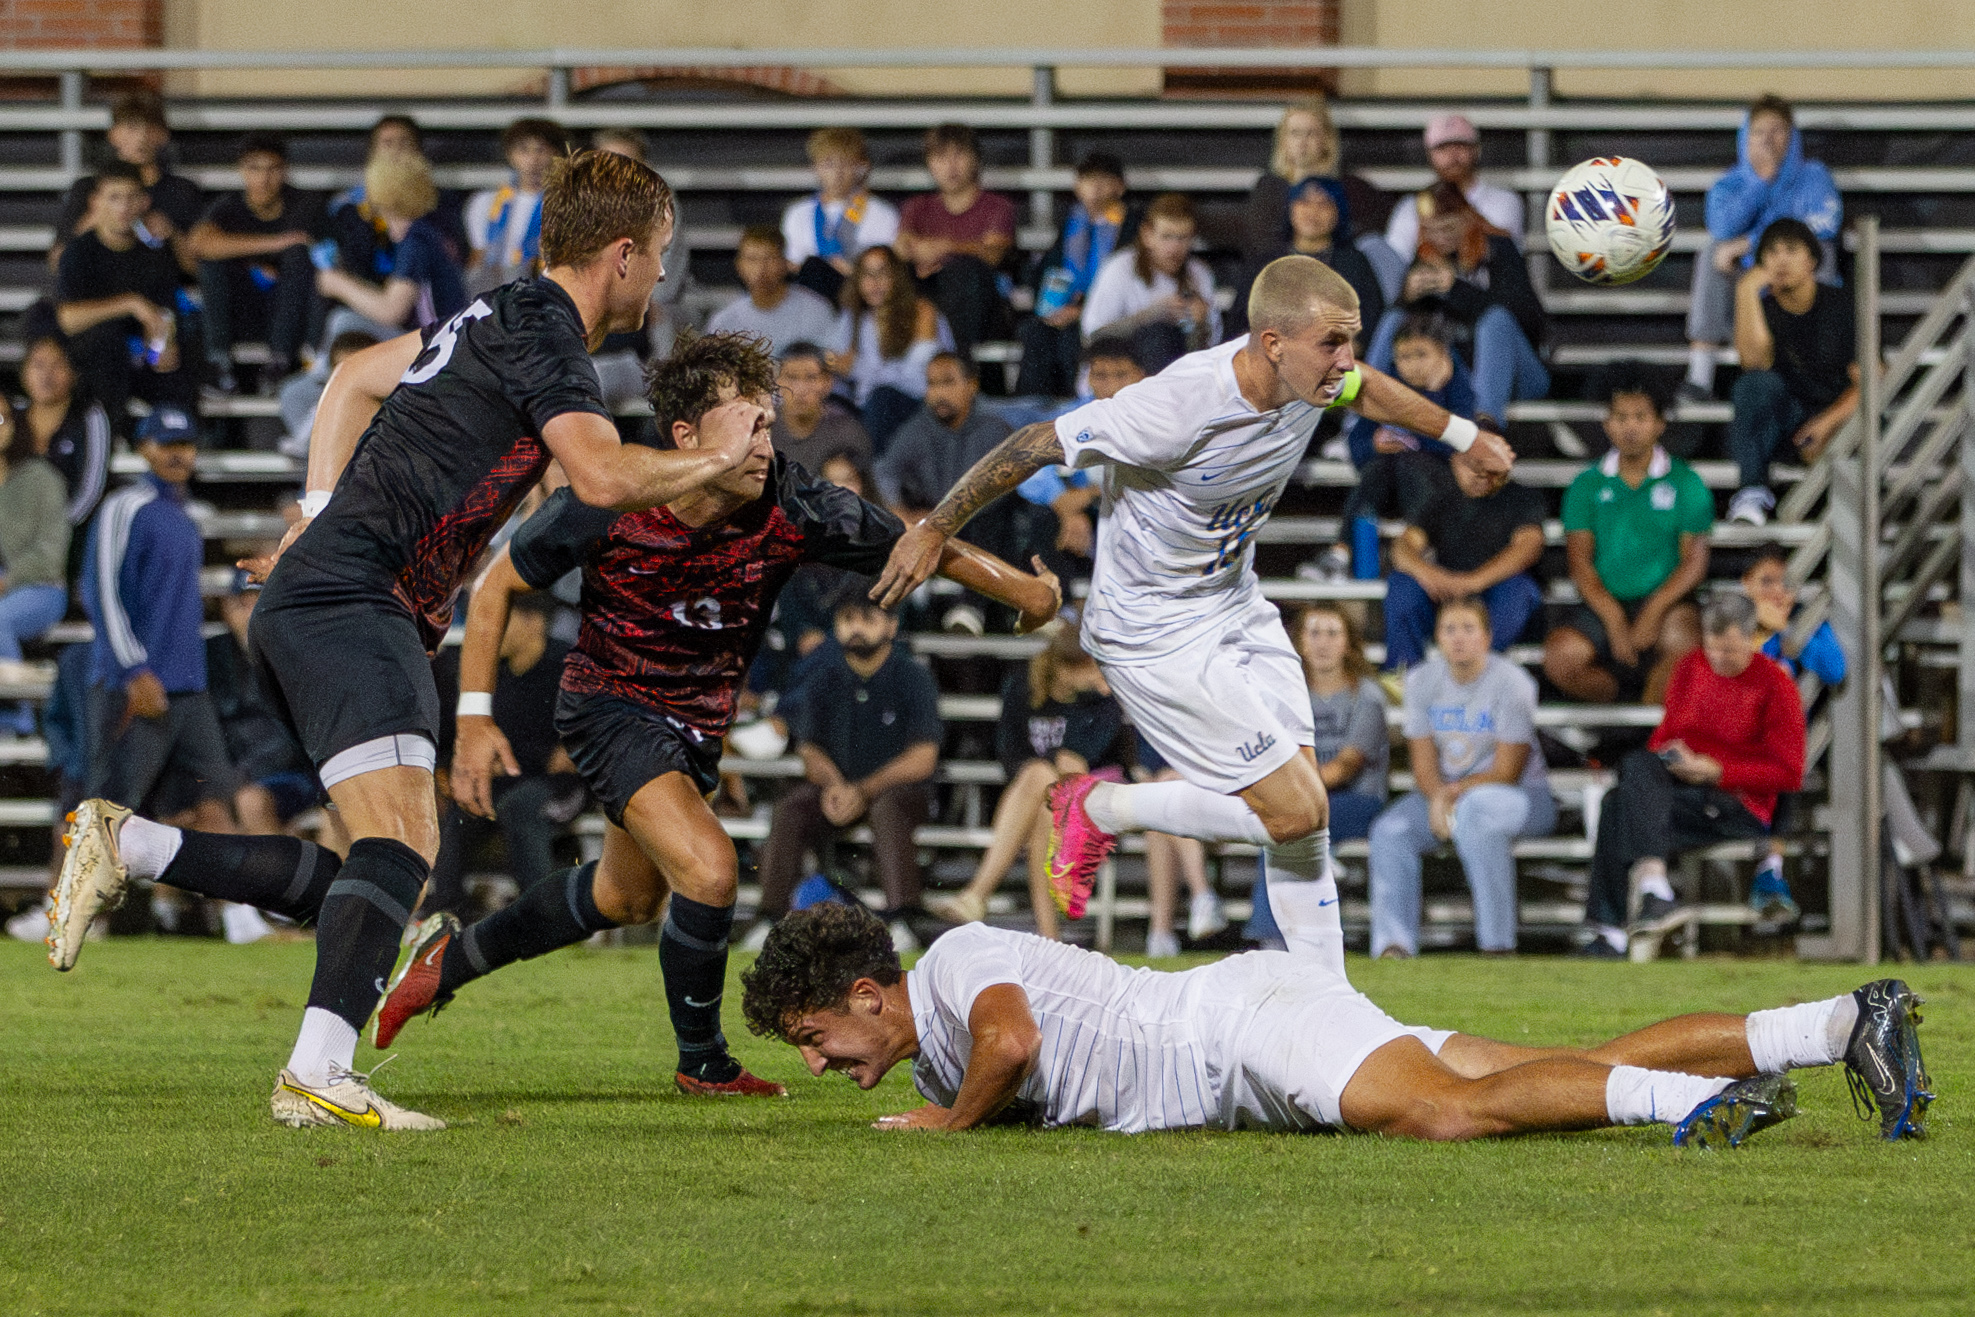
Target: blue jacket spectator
[(1052, 339)]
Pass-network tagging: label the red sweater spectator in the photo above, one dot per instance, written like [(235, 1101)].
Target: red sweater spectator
[(1752, 724)]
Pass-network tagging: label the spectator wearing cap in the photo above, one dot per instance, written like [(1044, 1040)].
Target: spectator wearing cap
[(956, 237), (34, 548), (116, 298), (1052, 339), (1453, 146), (504, 224), (1307, 146), (809, 427), (424, 285), (772, 308), (824, 232), (1314, 220), (149, 710), (254, 270), (138, 136)]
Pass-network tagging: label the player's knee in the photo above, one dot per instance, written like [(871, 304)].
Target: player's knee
[(1441, 1118), (1293, 822), (1035, 775)]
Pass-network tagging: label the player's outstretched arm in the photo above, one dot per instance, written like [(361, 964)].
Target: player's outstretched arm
[(920, 550), (1007, 1043), (607, 473), (1037, 598), (1387, 401), (480, 748)]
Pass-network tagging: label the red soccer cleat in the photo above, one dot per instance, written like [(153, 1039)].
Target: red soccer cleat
[(414, 989), (1077, 846), (741, 1085)]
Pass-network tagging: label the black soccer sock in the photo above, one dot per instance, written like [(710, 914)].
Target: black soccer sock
[(692, 953), (363, 916), (284, 874), (559, 911)]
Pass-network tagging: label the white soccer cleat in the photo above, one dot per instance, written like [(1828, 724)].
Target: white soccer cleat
[(94, 878), (346, 1099)]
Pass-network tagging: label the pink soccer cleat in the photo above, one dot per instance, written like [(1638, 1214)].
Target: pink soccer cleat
[(1076, 845)]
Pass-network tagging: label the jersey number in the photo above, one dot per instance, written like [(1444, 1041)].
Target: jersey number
[(440, 350)]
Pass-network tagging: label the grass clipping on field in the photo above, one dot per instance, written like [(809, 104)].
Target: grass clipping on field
[(143, 1174)]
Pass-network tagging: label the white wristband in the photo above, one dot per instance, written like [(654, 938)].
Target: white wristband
[(1460, 433), (313, 502), (475, 704)]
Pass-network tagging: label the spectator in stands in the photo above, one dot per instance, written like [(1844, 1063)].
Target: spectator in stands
[(1474, 274), (1307, 146), (149, 710), (884, 336), (1799, 351), (782, 313), (1399, 472), (138, 136), (1058, 719), (34, 550), (1636, 532), (955, 238), (1480, 782), (1315, 225), (809, 427), (255, 275), (940, 441), (823, 234), (425, 285), (867, 727), (277, 781), (110, 289), (1156, 291), (300, 394), (620, 362), (504, 224), (1052, 339), (1484, 537), (1771, 180), (1731, 741), (536, 801), (69, 430), (364, 246), (1353, 745), (1766, 581), (1453, 147)]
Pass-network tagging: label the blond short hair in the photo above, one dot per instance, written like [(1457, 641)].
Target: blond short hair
[(845, 142), (400, 186), (1290, 288)]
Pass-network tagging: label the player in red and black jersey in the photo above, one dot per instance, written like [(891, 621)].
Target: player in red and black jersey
[(422, 446), (675, 602)]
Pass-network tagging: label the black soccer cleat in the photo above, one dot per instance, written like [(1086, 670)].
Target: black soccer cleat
[(1729, 1117), (1882, 1060)]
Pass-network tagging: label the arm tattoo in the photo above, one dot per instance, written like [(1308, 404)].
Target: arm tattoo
[(1005, 466)]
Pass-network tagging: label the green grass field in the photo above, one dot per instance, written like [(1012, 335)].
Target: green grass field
[(140, 1173)]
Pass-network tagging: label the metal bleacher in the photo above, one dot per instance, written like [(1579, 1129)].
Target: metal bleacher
[(737, 161)]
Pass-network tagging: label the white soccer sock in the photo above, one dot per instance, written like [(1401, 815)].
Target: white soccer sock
[(1303, 898), (147, 848), (1700, 365), (1650, 876), (1814, 1033), (1180, 808), (1645, 1097), (326, 1040)]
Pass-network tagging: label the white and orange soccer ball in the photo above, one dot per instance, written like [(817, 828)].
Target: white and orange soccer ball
[(1610, 220)]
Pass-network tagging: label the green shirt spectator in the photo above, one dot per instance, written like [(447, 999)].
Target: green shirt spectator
[(1638, 530)]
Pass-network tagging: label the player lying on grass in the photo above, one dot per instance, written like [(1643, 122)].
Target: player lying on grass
[(1004, 1023), (675, 601)]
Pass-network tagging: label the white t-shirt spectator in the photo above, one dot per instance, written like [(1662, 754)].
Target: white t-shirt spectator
[(1467, 722), (1118, 292), (800, 317), (877, 227), (1498, 206)]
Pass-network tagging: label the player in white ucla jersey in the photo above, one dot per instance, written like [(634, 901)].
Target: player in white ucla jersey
[(1000, 1024), (1193, 460)]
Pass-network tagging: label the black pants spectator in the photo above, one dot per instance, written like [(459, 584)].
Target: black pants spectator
[(530, 813), (964, 289), (1652, 815), (237, 305), (799, 825), (1051, 359), (821, 278), (1397, 485), (103, 363)]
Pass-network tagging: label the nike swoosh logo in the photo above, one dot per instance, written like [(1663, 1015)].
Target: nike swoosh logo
[(432, 956), (702, 1005), (368, 1118), (1322, 904)]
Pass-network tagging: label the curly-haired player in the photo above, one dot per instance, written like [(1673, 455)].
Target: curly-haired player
[(675, 600), (1006, 1024)]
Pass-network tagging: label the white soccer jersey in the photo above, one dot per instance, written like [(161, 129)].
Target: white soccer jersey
[(1191, 473)]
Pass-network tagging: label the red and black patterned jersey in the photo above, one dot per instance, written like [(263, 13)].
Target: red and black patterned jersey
[(674, 614), (453, 450)]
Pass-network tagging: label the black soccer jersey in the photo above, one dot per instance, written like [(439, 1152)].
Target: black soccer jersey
[(673, 614), (453, 450)]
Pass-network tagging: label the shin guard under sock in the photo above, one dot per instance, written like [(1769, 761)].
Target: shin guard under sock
[(559, 911), (692, 953), (284, 874), (363, 915)]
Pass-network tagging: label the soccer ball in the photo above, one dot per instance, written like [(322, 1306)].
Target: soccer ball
[(1610, 220)]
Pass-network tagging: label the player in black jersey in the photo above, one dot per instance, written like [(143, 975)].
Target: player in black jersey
[(675, 601), (427, 441)]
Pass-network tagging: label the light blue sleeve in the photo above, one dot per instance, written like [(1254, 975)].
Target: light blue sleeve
[(1823, 655), (1043, 488)]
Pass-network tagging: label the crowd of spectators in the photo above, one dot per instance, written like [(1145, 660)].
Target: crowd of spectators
[(874, 312)]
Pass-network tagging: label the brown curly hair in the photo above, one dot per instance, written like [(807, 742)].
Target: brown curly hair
[(687, 384), (809, 962)]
